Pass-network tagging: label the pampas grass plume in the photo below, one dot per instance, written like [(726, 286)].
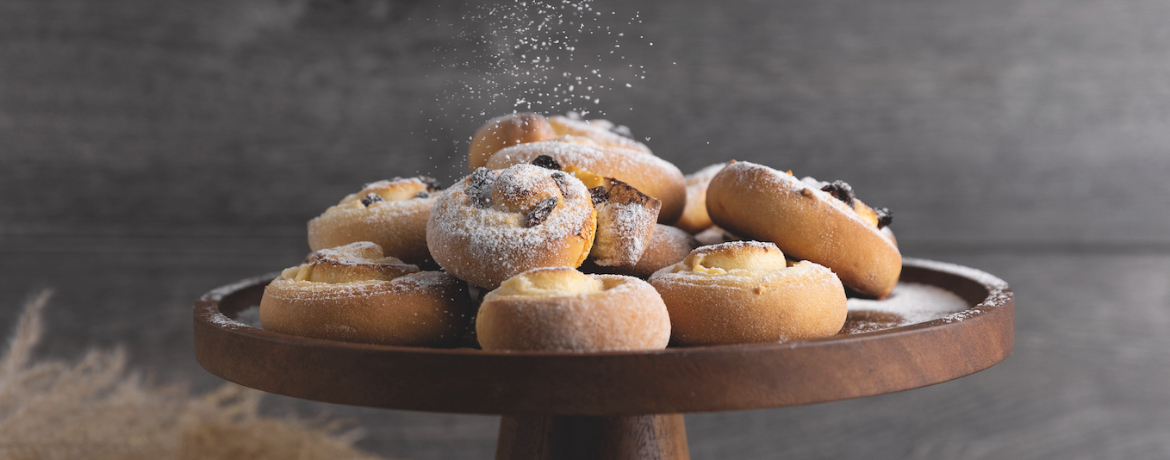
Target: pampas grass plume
[(95, 409)]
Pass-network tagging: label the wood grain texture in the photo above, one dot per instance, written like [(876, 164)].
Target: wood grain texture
[(686, 379), (542, 437), (1084, 381), (150, 150), (258, 114)]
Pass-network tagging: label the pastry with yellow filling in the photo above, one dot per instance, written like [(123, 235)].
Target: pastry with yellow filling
[(625, 216), (355, 293), (391, 213), (520, 128), (747, 291), (817, 221), (648, 174), (562, 309)]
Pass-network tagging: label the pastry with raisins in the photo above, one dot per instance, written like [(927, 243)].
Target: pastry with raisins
[(520, 128), (493, 225), (811, 220), (391, 213)]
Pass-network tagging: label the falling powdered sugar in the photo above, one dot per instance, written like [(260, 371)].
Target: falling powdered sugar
[(551, 56)]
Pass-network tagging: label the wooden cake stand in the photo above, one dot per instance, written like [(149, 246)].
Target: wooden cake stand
[(614, 404)]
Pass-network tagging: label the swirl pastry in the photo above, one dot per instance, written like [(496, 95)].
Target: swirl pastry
[(625, 216), (520, 128), (746, 291), (648, 174), (391, 213), (354, 293), (562, 309), (815, 221), (496, 224)]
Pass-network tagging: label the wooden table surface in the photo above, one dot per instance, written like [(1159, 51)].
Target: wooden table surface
[(151, 150)]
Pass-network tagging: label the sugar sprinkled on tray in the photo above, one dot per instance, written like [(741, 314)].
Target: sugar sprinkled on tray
[(909, 303), (217, 294)]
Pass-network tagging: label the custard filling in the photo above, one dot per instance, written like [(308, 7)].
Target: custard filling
[(355, 262), (547, 282), (736, 258)]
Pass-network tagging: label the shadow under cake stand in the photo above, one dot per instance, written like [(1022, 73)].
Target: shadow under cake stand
[(613, 405)]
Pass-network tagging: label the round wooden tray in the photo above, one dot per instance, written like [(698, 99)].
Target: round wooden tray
[(614, 386)]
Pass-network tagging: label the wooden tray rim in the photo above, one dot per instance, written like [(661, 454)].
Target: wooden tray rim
[(998, 301)]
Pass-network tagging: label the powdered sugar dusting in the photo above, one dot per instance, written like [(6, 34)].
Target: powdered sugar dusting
[(249, 316), (221, 320), (765, 245), (351, 254), (217, 294), (622, 233), (916, 302), (623, 164), (494, 238), (997, 296), (740, 172)]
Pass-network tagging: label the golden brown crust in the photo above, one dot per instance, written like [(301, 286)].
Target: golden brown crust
[(668, 246), (649, 174), (711, 305), (356, 299), (599, 131), (695, 217), (626, 314), (506, 131), (520, 128), (758, 202), (487, 243), (397, 221)]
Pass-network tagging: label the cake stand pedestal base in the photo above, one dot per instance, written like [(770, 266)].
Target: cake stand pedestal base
[(546, 437)]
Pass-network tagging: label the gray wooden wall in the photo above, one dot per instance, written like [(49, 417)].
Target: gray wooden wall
[(151, 150)]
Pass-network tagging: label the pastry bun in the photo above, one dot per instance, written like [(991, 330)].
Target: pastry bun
[(519, 128), (746, 291), (391, 213), (353, 293), (649, 174), (603, 132), (757, 202), (496, 224), (561, 309), (694, 217), (667, 246), (625, 216)]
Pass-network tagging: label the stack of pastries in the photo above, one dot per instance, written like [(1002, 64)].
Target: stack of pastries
[(569, 235)]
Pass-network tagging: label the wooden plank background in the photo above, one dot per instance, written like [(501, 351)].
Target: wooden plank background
[(151, 150)]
